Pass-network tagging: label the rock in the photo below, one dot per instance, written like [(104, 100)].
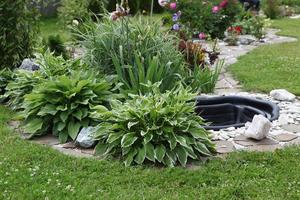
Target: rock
[(224, 147), (259, 128), (294, 128), (285, 137), (285, 119), (282, 95), (247, 39), (29, 65), (85, 138), (246, 142)]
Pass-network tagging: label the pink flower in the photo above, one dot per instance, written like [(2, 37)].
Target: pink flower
[(173, 6), (215, 9), (202, 36), (224, 3), (114, 16)]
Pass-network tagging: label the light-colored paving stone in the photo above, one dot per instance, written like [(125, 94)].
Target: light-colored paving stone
[(285, 137), (224, 147)]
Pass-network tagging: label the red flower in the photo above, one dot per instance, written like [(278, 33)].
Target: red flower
[(224, 3)]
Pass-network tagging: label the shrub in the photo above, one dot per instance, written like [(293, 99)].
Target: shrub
[(62, 105), (56, 45), (134, 77), (203, 79), (6, 75), (157, 127), (18, 31), (80, 10), (198, 16), (124, 37), (23, 81), (271, 9)]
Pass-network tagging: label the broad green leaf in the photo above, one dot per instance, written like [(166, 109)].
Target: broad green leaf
[(63, 137), (131, 124), (64, 116), (33, 125), (73, 129), (60, 126), (78, 114), (128, 140), (129, 157), (198, 133), (47, 109), (148, 138), (181, 155), (150, 152), (140, 157), (202, 149), (160, 152), (114, 136), (101, 149)]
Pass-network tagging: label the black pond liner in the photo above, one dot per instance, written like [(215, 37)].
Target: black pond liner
[(233, 111)]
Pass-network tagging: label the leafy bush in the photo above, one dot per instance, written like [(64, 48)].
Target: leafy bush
[(157, 127), (254, 25), (204, 79), (80, 10), (122, 38), (271, 9), (56, 45), (23, 81), (290, 2), (6, 75), (62, 105), (134, 77), (18, 31), (198, 16)]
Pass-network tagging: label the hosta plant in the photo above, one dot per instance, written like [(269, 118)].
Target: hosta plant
[(157, 127), (62, 105)]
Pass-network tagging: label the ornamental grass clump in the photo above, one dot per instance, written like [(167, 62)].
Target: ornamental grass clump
[(153, 128), (62, 105)]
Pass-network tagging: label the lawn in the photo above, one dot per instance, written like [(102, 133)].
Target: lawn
[(52, 26), (31, 171), (272, 66)]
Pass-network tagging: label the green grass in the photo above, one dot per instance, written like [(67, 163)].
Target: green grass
[(52, 26), (272, 66), (30, 171)]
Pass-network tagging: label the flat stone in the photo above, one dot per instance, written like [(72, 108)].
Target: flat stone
[(294, 128), (285, 137), (69, 145), (88, 151), (244, 141), (224, 147), (14, 124), (49, 140), (71, 152), (293, 142), (263, 148), (282, 95)]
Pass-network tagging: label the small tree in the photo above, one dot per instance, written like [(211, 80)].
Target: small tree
[(17, 31)]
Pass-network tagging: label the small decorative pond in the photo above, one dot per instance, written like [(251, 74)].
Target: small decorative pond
[(233, 111)]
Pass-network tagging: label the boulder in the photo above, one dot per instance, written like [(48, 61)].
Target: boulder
[(259, 128), (246, 39), (85, 138), (29, 65), (282, 95)]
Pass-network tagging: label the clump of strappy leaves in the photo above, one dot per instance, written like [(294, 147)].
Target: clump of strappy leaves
[(62, 105), (155, 127)]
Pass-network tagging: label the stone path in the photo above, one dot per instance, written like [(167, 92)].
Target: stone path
[(230, 54)]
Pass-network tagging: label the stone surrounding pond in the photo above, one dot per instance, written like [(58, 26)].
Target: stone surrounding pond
[(29, 65)]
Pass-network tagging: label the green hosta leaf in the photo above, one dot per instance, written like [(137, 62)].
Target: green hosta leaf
[(202, 149), (62, 108), (181, 140), (198, 133), (101, 149), (172, 156), (63, 137), (33, 125), (168, 162), (148, 138), (181, 155), (64, 116), (47, 109), (191, 153), (60, 126), (78, 114), (114, 136), (150, 152), (129, 157), (141, 155), (172, 141), (73, 129), (160, 152), (131, 124), (128, 140)]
